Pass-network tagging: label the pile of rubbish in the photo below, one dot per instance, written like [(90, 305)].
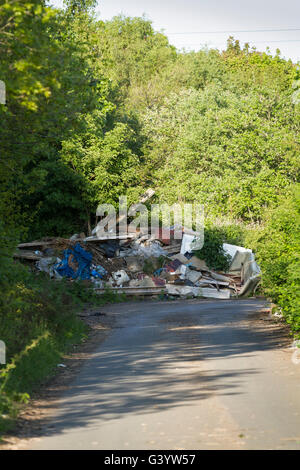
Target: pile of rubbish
[(141, 264), (144, 266)]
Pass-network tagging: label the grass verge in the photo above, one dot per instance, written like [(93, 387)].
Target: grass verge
[(38, 325)]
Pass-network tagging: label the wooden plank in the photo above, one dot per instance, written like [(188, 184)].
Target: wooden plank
[(111, 236), (213, 282), (133, 290), (219, 277), (172, 248), (215, 294), (27, 255), (148, 194), (36, 243)]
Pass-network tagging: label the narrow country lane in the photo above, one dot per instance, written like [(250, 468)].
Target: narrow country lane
[(183, 375)]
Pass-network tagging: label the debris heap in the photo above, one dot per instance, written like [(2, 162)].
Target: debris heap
[(142, 264)]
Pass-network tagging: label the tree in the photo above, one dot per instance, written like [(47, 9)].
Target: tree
[(229, 145), (79, 6)]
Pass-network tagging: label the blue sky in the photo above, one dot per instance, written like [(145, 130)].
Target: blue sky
[(180, 19)]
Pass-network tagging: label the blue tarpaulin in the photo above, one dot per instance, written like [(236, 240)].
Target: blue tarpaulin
[(83, 259)]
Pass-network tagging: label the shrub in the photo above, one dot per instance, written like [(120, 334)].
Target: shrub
[(212, 251), (277, 247)]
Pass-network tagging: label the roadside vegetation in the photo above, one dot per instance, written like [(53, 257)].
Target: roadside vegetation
[(277, 245), (95, 110), (39, 324)]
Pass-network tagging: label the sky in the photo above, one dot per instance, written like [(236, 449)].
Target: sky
[(193, 24)]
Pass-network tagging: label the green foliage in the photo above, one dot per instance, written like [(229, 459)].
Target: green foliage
[(212, 251), (85, 295), (133, 56), (277, 246), (38, 325), (71, 144), (233, 233), (234, 153), (78, 6), (31, 305), (296, 87)]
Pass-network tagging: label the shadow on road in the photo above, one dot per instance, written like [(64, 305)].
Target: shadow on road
[(155, 361)]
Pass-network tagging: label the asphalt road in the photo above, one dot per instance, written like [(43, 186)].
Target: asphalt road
[(183, 375)]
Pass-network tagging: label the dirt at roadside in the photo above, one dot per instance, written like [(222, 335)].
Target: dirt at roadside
[(277, 327), (35, 415)]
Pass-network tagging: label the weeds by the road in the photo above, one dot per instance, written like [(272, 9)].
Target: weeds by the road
[(38, 324)]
